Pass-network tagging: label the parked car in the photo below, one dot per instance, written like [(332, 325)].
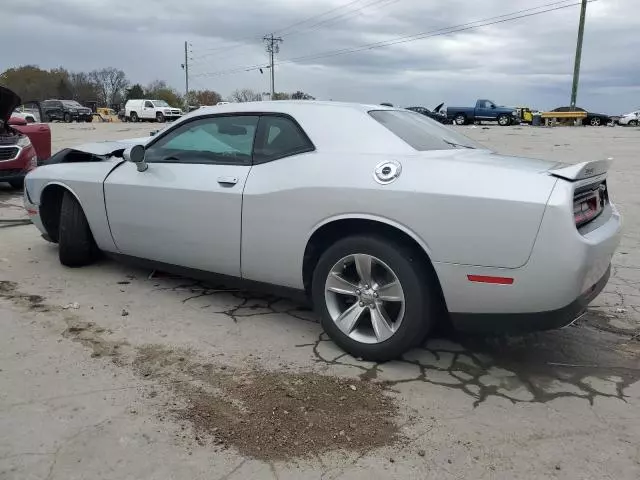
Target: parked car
[(631, 119), (435, 114), (593, 119), (485, 110), (158, 110), (65, 111), (386, 230), (22, 145), (28, 116)]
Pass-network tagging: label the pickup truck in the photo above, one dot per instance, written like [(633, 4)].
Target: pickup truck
[(485, 110)]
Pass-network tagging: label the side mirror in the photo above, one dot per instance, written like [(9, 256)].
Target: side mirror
[(493, 106), (135, 154), (17, 121)]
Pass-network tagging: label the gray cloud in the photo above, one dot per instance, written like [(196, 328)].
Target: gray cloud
[(527, 61)]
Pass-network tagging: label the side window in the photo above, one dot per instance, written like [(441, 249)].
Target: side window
[(279, 137), (215, 140), (484, 104), (148, 104)]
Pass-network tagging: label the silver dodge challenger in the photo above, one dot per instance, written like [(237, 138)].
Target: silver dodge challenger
[(387, 220)]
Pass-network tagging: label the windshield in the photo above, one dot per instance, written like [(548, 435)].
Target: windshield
[(160, 103), (71, 103), (421, 132)]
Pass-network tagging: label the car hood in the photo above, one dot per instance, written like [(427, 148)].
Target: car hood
[(108, 148), (9, 100)]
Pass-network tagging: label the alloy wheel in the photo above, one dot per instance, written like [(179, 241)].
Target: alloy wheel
[(364, 298)]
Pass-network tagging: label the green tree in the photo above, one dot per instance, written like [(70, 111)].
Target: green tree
[(204, 97), (301, 96), (135, 92), (281, 96), (159, 90)]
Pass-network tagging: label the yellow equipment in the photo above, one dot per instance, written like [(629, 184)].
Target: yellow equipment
[(105, 114), (525, 114)]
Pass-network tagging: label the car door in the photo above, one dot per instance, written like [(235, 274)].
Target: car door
[(186, 208), (148, 110), (484, 110)]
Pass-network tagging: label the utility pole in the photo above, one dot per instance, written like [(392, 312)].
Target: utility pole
[(273, 47), (576, 68), (185, 67)]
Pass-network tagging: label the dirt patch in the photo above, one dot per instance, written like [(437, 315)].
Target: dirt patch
[(273, 415), (277, 416), (264, 415)]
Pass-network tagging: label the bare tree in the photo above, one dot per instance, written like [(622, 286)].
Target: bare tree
[(82, 88), (245, 95), (110, 83)]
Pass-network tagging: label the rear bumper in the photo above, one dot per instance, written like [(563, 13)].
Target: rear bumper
[(567, 268), (529, 322)]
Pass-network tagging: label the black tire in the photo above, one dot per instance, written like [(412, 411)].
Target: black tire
[(17, 184), (159, 117), (460, 119), (67, 118), (595, 121), (633, 123), (89, 119), (76, 245), (419, 288), (134, 117), (504, 120)]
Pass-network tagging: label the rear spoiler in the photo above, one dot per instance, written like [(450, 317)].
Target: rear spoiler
[(583, 170)]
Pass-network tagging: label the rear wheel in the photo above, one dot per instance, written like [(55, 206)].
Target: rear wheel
[(460, 119), (134, 117), (504, 120), (375, 297), (77, 247), (633, 123)]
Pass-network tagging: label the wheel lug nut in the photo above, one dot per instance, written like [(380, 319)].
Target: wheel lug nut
[(362, 304), (375, 294), (358, 292)]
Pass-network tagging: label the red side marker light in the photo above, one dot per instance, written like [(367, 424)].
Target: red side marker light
[(31, 211), (489, 279)]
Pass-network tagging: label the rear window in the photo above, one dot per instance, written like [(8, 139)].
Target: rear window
[(421, 132)]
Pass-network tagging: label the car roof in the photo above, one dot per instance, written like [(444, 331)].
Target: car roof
[(332, 126), (291, 107)]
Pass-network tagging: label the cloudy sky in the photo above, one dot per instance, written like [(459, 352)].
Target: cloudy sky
[(527, 61)]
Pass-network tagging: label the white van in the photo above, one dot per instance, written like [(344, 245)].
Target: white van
[(154, 110)]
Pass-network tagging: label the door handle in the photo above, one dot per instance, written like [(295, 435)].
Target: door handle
[(227, 181)]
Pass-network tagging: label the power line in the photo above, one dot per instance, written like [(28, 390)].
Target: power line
[(342, 16), (418, 36), (241, 42), (280, 31)]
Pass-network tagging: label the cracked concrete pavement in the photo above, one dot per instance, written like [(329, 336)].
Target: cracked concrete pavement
[(560, 404)]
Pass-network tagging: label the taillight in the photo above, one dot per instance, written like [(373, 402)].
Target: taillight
[(588, 203)]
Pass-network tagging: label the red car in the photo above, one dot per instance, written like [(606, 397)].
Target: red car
[(23, 145)]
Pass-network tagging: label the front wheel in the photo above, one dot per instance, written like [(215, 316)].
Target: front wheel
[(504, 120), (77, 247), (376, 298), (633, 123), (159, 117), (67, 118), (89, 119), (595, 122)]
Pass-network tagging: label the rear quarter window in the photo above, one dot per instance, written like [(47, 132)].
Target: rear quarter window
[(421, 132)]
